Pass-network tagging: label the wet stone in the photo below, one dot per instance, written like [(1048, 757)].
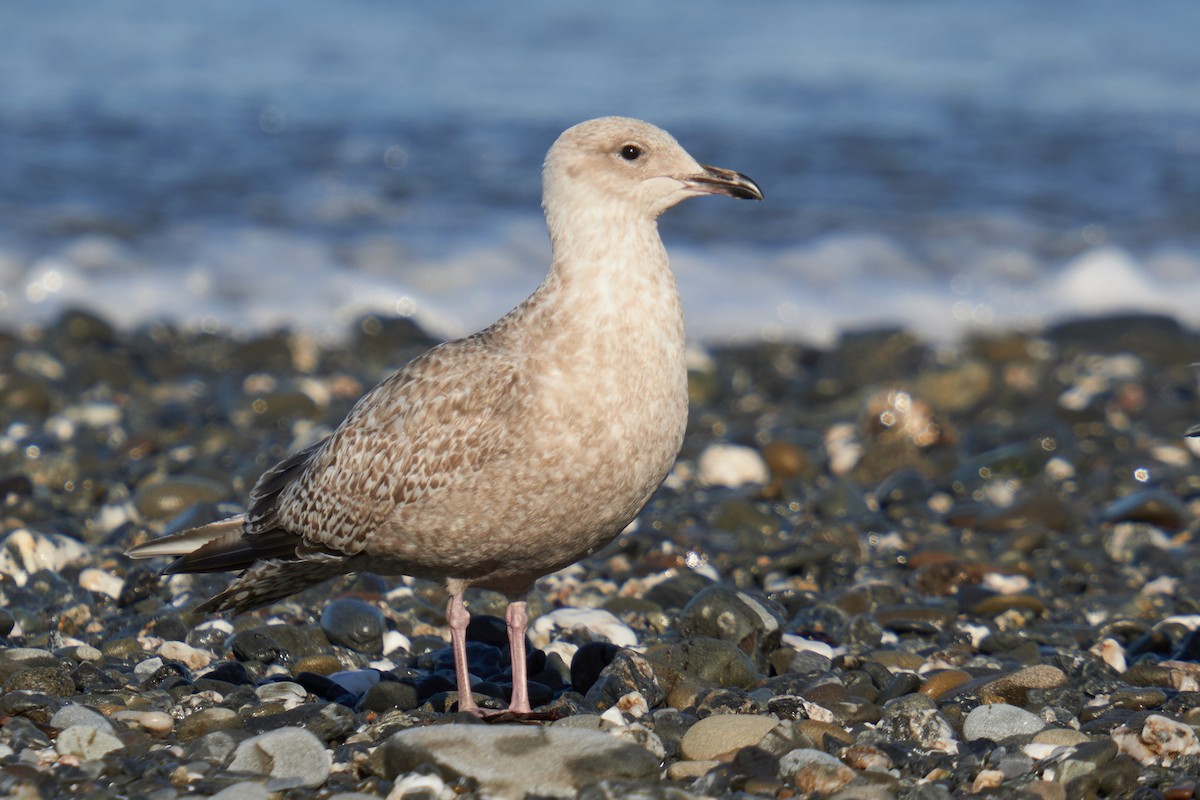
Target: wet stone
[(52, 681), (354, 624), (1000, 721), (719, 612), (290, 756)]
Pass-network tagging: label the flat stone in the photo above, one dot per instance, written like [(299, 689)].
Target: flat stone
[(515, 761), (1000, 721), (291, 756), (243, 790), (721, 734), (689, 770), (86, 742), (75, 714)]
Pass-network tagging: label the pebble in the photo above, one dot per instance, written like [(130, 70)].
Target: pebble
[(719, 612), (1000, 721), (290, 756), (723, 734), (1158, 740), (515, 761), (243, 790), (582, 625), (732, 465), (72, 714), (86, 741), (192, 657), (814, 771), (98, 580), (288, 694), (354, 624)]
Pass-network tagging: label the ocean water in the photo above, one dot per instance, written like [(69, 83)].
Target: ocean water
[(938, 164)]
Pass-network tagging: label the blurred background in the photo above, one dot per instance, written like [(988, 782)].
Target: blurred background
[(939, 164)]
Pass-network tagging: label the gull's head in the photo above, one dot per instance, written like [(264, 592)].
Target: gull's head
[(630, 166)]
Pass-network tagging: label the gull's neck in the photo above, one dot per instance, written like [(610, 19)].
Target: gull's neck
[(609, 279)]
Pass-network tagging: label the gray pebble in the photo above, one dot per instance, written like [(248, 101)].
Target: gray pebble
[(86, 742), (999, 721), (291, 756), (513, 761), (354, 624), (75, 714)]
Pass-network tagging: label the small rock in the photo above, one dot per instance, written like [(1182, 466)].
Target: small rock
[(243, 790), (291, 756), (86, 742), (515, 761), (97, 580), (354, 624), (287, 693), (999, 721), (720, 612), (814, 771), (582, 625), (732, 465), (71, 715), (722, 734), (206, 721), (1160, 740), (192, 657)]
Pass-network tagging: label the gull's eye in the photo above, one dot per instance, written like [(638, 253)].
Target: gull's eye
[(631, 152)]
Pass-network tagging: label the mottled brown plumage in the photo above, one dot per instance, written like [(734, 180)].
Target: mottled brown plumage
[(493, 460)]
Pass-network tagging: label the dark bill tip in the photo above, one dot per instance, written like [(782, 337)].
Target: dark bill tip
[(715, 180)]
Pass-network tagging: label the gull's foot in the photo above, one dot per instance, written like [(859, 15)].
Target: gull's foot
[(502, 715)]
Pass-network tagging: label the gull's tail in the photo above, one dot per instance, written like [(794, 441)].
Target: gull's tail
[(273, 570)]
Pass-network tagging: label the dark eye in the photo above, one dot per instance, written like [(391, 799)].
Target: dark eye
[(631, 152)]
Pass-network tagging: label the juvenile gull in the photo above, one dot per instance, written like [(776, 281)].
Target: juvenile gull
[(493, 460)]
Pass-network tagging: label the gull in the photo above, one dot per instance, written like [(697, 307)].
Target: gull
[(493, 460)]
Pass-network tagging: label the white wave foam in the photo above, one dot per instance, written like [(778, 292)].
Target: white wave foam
[(250, 279)]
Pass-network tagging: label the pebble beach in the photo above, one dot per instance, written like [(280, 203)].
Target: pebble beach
[(882, 568)]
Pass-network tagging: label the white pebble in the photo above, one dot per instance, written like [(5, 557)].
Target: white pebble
[(1112, 653), (156, 722), (732, 465), (1161, 740), (144, 669), (101, 582), (243, 790), (86, 742), (193, 657), (582, 625), (394, 641), (75, 714), (843, 447), (289, 693), (1005, 584), (802, 645), (23, 553), (292, 756), (95, 415), (417, 784)]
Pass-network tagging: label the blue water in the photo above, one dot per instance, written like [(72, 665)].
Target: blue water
[(940, 164)]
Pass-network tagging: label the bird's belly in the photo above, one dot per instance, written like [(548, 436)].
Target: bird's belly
[(579, 481)]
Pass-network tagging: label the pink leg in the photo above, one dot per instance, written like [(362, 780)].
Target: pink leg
[(458, 617), (517, 621)]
